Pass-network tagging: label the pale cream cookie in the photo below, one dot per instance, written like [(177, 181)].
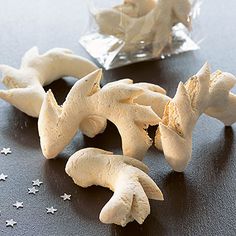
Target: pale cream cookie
[(123, 175), (59, 124)]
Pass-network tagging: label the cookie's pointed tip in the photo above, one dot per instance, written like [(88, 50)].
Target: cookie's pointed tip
[(205, 70)]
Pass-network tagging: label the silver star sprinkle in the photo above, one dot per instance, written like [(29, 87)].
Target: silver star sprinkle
[(10, 223), (32, 190), (66, 197), (51, 210), (3, 177), (37, 182), (18, 204), (6, 151)]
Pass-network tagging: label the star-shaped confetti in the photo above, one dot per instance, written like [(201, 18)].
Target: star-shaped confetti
[(32, 190), (10, 223), (3, 177), (18, 205), (6, 151), (66, 197), (51, 210), (37, 182)]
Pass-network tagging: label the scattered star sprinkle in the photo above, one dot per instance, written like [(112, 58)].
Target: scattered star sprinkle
[(6, 151), (66, 197), (51, 210), (18, 205), (10, 223), (32, 190), (37, 182), (3, 177)]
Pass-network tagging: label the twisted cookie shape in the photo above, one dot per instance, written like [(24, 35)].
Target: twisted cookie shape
[(123, 175), (201, 93), (154, 28), (25, 85), (59, 124)]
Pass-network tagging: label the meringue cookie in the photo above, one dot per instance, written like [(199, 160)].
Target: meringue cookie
[(201, 93), (25, 85), (59, 124), (123, 175), (153, 28)]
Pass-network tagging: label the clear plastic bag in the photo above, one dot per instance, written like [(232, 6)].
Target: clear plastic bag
[(120, 34)]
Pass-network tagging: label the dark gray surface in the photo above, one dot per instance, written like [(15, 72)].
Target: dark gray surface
[(202, 201)]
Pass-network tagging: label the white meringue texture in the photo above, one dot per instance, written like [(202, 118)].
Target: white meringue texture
[(123, 175)]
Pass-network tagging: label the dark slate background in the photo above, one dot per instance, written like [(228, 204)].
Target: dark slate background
[(200, 201)]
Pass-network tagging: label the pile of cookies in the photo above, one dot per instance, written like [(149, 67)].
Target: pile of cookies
[(131, 107), (145, 22)]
